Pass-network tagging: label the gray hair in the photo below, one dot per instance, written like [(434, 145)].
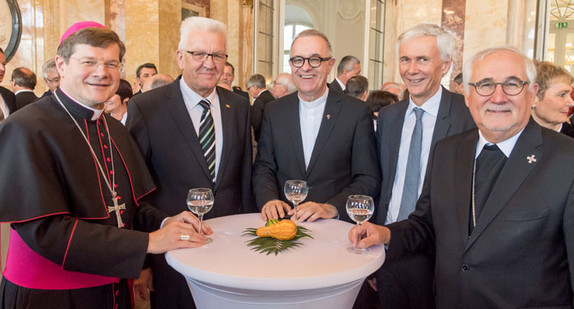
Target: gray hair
[(256, 80), (444, 40), (195, 23), (528, 65), (347, 64), (313, 32), (48, 66), (286, 80)]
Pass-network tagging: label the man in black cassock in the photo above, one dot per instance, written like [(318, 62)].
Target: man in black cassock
[(72, 183)]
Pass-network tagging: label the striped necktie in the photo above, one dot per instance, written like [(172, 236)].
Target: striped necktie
[(207, 137)]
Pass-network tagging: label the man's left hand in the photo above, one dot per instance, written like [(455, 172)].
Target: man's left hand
[(312, 211)]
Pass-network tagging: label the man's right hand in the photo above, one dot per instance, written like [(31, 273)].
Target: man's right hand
[(369, 234), (274, 209), (169, 237)]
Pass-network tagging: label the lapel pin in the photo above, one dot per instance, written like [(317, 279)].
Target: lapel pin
[(531, 159), (227, 106), (328, 116)]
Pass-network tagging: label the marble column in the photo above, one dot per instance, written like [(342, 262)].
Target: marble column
[(453, 19)]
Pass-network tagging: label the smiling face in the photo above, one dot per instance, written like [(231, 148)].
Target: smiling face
[(91, 86), (311, 82), (145, 75), (421, 67), (552, 109), (202, 76), (500, 116), (227, 76)]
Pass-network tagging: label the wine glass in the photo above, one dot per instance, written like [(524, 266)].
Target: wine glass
[(360, 208), (200, 201), (296, 192)]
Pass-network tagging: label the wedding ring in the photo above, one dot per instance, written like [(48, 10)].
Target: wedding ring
[(183, 237)]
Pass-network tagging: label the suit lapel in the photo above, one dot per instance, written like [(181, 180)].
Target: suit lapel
[(442, 124), (180, 116), (330, 117), (227, 123), (294, 125), (463, 181), (513, 174)]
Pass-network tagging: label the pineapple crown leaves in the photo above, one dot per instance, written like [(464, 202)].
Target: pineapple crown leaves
[(270, 245)]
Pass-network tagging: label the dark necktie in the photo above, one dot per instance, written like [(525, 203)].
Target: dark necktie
[(413, 171), (207, 137), (489, 164)]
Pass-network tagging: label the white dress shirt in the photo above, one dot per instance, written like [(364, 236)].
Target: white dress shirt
[(311, 115), (343, 86), (191, 100), (430, 108)]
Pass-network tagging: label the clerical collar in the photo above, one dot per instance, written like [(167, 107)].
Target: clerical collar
[(312, 104), (505, 146), (78, 108), (430, 106)]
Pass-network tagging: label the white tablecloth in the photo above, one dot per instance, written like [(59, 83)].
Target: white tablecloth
[(228, 274)]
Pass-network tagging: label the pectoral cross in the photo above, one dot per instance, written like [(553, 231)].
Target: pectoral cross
[(117, 208), (531, 159)]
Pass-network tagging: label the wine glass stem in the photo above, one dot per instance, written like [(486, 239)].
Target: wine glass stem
[(200, 223), (360, 237), (295, 211)]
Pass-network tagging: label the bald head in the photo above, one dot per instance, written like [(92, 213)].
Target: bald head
[(156, 81)]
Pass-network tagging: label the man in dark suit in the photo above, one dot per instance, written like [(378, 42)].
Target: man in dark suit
[(321, 136), (167, 123), (51, 77), (8, 102), (348, 67), (496, 204), (228, 76), (258, 90), (23, 84), (407, 282)]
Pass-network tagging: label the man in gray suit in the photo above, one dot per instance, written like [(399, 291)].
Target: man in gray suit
[(496, 204), (407, 132)]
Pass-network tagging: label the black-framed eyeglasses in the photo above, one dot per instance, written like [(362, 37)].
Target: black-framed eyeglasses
[(202, 56), (510, 87), (314, 61)]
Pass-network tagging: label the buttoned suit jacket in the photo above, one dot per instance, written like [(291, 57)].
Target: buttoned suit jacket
[(343, 160), (161, 125), (24, 98), (521, 252), (453, 117)]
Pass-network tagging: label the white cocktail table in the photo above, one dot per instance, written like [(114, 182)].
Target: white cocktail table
[(319, 274)]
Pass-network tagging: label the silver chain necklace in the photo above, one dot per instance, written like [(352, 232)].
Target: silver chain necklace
[(116, 207)]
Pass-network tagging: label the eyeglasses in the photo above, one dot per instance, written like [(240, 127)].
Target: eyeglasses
[(202, 56), (510, 87), (314, 61), (53, 80), (92, 63)]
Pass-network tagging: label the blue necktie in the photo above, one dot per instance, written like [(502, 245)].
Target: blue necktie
[(207, 137), (413, 172)]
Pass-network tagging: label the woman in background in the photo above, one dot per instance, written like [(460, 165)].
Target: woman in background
[(553, 102)]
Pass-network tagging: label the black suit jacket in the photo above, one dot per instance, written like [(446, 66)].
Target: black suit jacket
[(567, 129), (241, 92), (334, 85), (520, 254), (9, 98), (24, 98), (343, 161), (160, 124), (453, 118), (257, 111)]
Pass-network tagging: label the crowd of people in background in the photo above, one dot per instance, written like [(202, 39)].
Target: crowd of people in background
[(414, 145)]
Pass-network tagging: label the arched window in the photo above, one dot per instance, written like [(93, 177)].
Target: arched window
[(296, 20)]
